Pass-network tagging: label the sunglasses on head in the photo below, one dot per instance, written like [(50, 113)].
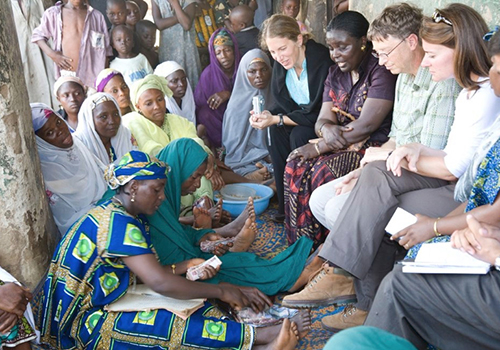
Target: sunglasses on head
[(437, 17)]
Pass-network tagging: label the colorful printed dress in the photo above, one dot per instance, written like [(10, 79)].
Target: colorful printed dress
[(374, 82), (87, 272)]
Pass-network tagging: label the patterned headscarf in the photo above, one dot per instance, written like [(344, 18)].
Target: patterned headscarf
[(135, 165), (104, 77), (40, 114), (151, 81), (223, 39)]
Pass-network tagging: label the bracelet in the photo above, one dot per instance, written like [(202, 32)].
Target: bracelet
[(436, 229), (173, 268), (320, 134), (389, 155), (316, 146)]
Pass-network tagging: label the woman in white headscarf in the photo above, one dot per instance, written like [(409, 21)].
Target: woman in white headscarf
[(101, 130), (182, 102), (246, 148), (73, 176)]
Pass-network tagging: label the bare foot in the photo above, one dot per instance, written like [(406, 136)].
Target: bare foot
[(245, 238), (306, 274), (259, 175), (234, 227), (303, 320), (216, 213), (287, 338), (202, 218)]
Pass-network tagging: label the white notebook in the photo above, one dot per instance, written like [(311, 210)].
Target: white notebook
[(441, 258)]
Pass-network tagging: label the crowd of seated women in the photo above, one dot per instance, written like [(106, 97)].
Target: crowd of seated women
[(400, 112)]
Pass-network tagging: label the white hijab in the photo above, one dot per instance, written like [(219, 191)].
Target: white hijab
[(87, 133), (74, 177), (188, 109)]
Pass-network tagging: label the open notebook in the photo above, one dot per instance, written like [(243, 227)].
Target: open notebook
[(142, 298), (442, 258)]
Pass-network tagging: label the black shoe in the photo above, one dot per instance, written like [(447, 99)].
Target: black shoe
[(278, 218)]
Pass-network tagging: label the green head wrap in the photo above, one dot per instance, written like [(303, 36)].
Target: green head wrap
[(151, 81)]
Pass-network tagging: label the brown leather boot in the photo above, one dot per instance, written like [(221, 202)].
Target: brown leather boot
[(351, 316), (325, 288)]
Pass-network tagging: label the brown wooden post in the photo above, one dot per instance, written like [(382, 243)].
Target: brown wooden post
[(27, 231)]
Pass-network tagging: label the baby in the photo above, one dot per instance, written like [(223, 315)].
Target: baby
[(81, 49), (134, 14), (146, 34), (133, 66), (291, 8)]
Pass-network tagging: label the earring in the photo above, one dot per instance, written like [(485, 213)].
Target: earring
[(363, 47), (133, 198)]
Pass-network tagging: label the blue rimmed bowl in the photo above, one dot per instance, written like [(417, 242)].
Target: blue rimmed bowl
[(236, 207)]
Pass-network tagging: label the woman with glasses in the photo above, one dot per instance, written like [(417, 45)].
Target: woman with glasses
[(356, 114)]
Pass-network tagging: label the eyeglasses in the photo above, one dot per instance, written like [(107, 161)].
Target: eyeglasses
[(437, 17), (386, 55)]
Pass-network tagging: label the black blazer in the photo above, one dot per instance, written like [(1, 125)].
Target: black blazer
[(318, 63)]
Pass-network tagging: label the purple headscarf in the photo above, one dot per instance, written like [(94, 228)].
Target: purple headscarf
[(213, 80)]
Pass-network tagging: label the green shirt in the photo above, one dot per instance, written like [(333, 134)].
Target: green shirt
[(423, 109)]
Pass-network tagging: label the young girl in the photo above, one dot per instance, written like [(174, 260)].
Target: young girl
[(174, 19)]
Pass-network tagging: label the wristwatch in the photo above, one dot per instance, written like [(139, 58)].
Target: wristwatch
[(280, 123), (497, 263)]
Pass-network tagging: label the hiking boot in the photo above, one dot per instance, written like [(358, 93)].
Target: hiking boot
[(351, 316), (326, 287)]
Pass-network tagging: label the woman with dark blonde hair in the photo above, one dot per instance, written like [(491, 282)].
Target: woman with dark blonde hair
[(297, 89)]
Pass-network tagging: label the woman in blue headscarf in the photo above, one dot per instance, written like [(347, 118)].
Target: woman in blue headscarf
[(176, 242)]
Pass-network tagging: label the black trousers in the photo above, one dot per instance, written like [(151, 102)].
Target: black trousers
[(283, 141)]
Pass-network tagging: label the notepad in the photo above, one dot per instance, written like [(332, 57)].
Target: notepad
[(441, 258), (400, 220), (143, 298)]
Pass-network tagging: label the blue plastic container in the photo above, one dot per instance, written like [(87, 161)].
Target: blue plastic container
[(235, 208)]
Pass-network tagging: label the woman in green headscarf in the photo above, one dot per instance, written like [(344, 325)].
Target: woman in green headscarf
[(153, 128), (175, 242)]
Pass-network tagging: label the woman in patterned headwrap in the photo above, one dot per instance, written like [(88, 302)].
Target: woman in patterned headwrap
[(101, 257), (216, 83)]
